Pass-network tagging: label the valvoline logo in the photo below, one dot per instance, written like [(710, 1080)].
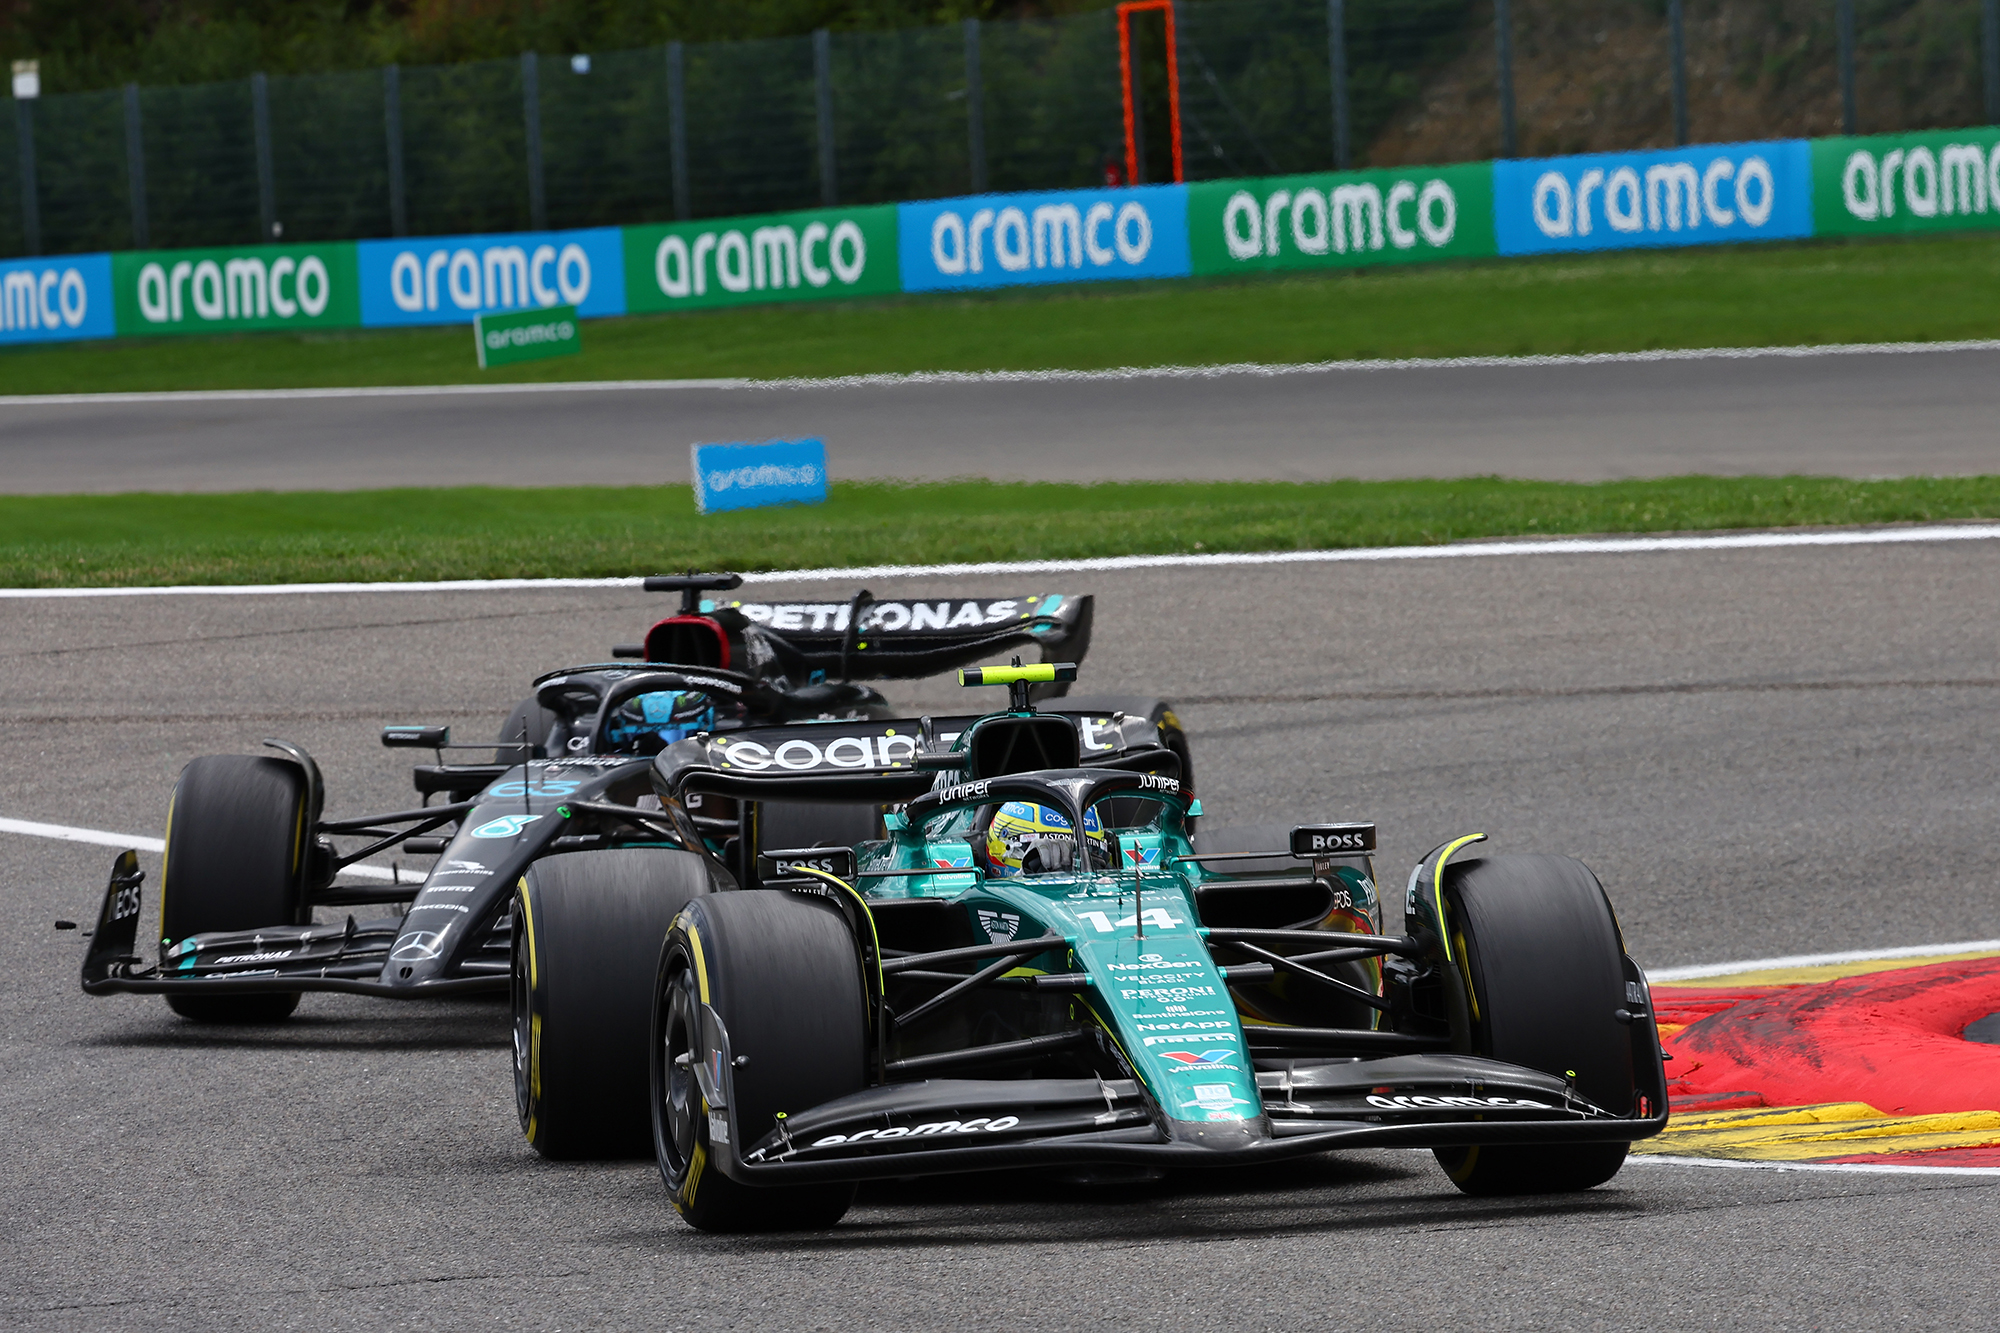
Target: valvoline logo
[(1142, 856), (951, 858), (1192, 1060)]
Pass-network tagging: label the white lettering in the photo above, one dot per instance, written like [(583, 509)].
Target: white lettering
[(153, 293)]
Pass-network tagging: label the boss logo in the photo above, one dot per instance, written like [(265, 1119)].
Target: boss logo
[(798, 863), (1333, 839)]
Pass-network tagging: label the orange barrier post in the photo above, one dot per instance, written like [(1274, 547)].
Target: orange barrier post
[(1125, 12)]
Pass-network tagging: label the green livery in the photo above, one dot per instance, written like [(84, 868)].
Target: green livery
[(823, 254), (232, 290), (505, 337), (1887, 184), (1341, 219), (1043, 964)]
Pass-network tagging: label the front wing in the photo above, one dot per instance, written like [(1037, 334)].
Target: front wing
[(942, 1126)]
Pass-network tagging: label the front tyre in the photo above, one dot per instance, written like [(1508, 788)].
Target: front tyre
[(782, 975), (1537, 946), (588, 927), (237, 835)]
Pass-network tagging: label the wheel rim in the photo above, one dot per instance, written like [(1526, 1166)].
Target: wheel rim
[(680, 1095), (523, 1000)]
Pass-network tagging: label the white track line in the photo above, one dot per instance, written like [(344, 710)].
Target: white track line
[(1252, 369), (100, 838), (1862, 1168), (1699, 970), (1364, 555)]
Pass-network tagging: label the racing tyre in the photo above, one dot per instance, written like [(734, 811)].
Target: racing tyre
[(781, 973), (1539, 950), (1157, 711), (235, 860), (587, 937)]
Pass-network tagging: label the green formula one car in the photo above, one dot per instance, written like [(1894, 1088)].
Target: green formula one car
[(1041, 966)]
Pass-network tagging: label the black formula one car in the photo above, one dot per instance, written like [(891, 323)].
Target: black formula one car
[(251, 858), (1040, 965)]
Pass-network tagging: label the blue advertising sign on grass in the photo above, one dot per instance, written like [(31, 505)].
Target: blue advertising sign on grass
[(42, 300), (449, 279), (752, 476), (1713, 195), (1006, 240)]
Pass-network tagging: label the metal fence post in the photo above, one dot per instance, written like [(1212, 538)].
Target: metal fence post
[(531, 111), (1678, 33), (1336, 55), (677, 127), (1989, 41), (135, 165), (823, 86), (1503, 50), (975, 108), (392, 130), (267, 190), (31, 211), (1844, 21)]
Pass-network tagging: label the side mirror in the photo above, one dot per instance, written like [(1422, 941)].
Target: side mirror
[(425, 738), (635, 651)]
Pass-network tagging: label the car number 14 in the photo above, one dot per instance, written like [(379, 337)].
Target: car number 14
[(1154, 916)]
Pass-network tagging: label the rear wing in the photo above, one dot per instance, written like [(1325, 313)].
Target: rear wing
[(907, 638), (870, 761)]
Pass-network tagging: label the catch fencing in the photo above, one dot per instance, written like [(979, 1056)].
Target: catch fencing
[(682, 132)]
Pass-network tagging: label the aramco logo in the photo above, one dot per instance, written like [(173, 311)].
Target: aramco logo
[(243, 287), (1353, 217), (53, 298), (1961, 179), (775, 257), (499, 277), (1672, 195), (1053, 236)]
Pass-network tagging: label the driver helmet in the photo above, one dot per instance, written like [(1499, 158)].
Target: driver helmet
[(1029, 839), (662, 717)]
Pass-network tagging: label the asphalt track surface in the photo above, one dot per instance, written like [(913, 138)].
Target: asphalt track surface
[(1847, 414), (1761, 752)]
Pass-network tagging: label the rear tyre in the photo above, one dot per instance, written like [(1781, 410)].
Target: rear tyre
[(1538, 947), (587, 936), (235, 860), (782, 974)]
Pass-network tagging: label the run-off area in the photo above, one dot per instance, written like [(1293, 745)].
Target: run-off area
[(1761, 753)]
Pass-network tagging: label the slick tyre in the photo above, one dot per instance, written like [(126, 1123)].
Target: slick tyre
[(782, 974), (588, 927), (237, 838), (1156, 711), (1538, 948)]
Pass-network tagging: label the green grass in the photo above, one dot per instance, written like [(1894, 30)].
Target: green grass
[(1822, 292), (99, 540)]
